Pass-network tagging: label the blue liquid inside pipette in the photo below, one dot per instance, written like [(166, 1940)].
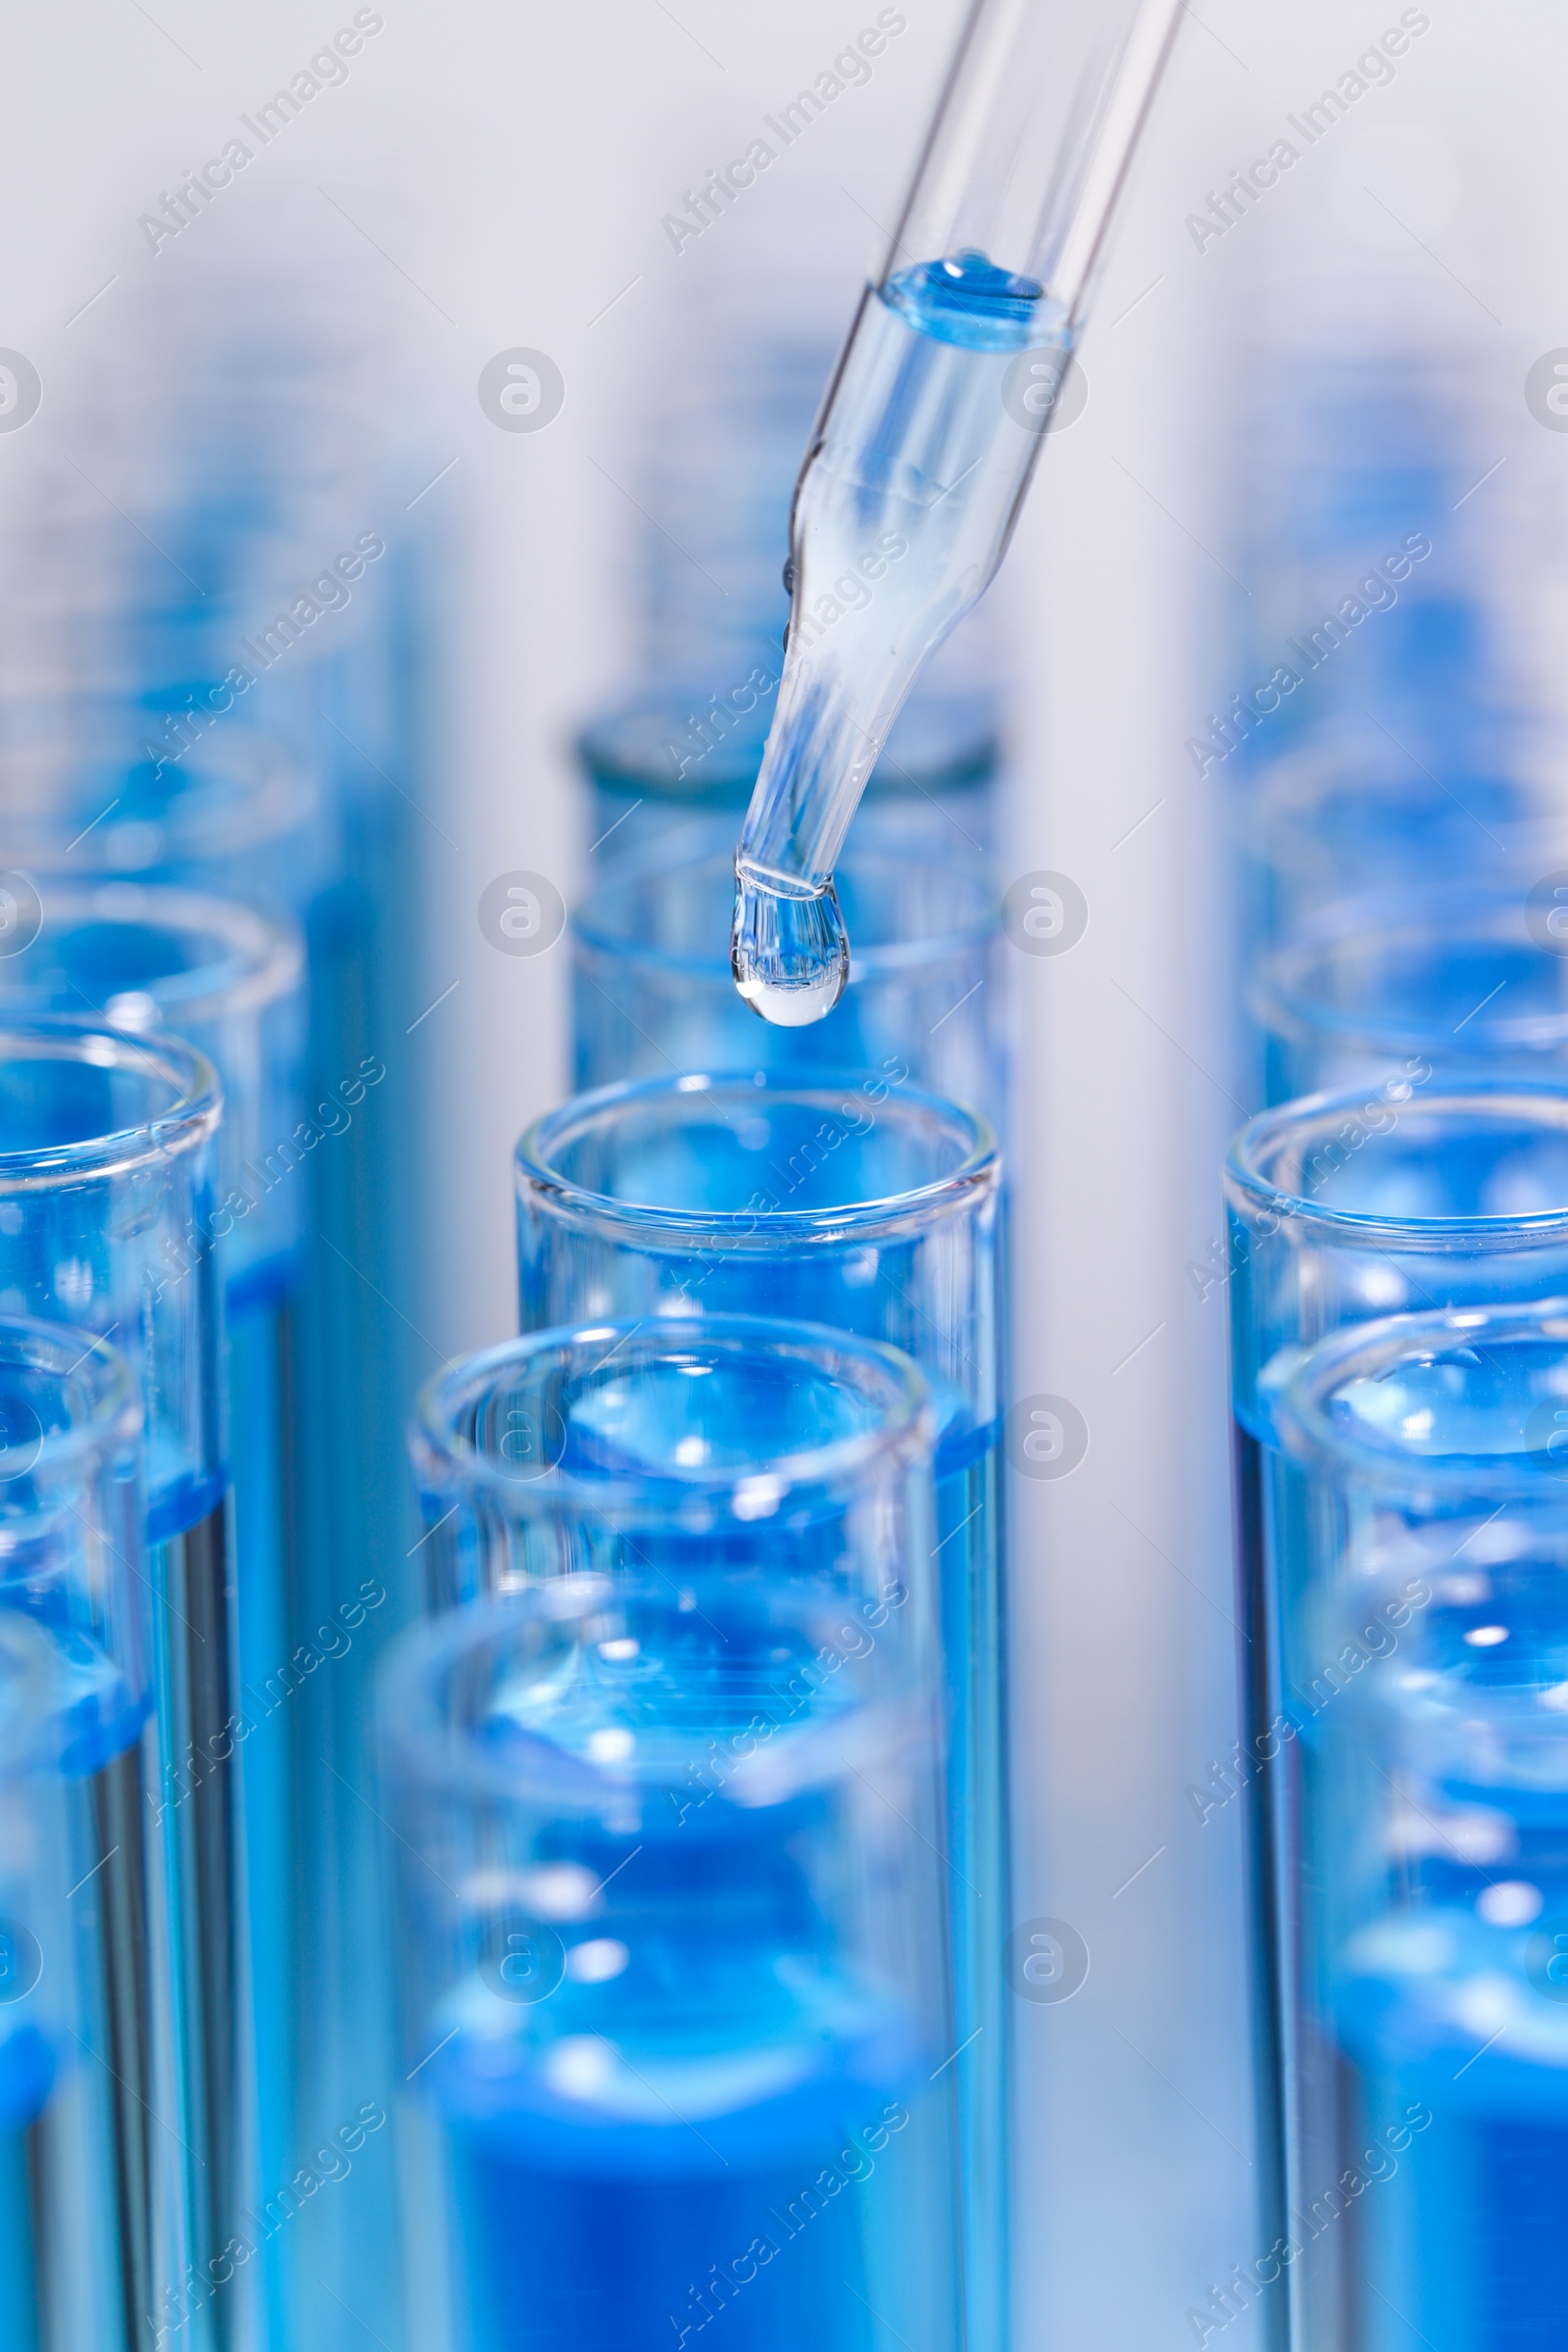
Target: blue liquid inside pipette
[(966, 301), (902, 515)]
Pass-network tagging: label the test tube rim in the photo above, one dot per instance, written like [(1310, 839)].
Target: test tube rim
[(188, 1121), (447, 1457), (867, 964), (267, 947), (730, 789), (1280, 1004), (978, 1172), (408, 1725), (1255, 1198), (277, 797), (1356, 1350), (1281, 825)]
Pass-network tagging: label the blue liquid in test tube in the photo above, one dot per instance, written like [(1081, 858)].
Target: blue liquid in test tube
[(70, 1787), (1434, 1539), (1414, 1193), (587, 2220), (681, 2032), (177, 699), (317, 1369), (868, 1206), (589, 2217), (93, 2222), (229, 981), (107, 1184), (332, 1365)]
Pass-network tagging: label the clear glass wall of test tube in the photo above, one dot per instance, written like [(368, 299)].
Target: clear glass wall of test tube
[(928, 436)]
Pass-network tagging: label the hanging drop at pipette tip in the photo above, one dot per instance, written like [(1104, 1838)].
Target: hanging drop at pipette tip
[(789, 951)]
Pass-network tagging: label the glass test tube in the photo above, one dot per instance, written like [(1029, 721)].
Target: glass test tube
[(84, 792), (869, 1206), (1353, 813), (93, 2219), (257, 520), (1419, 1192), (1469, 978), (1359, 442), (347, 1354), (653, 992), (224, 978), (663, 1419), (674, 1978), (662, 759), (106, 1217), (1421, 1533), (230, 982), (182, 667), (355, 1359), (220, 808)]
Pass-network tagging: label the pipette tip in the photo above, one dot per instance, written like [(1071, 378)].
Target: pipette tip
[(789, 950)]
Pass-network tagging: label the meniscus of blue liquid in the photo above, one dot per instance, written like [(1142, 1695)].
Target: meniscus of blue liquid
[(902, 512)]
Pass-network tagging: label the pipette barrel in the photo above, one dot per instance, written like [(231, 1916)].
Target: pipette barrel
[(954, 368)]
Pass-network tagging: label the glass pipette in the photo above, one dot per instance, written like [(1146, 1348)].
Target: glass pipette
[(928, 435)]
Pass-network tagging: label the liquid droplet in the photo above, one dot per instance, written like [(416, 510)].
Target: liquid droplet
[(789, 951)]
